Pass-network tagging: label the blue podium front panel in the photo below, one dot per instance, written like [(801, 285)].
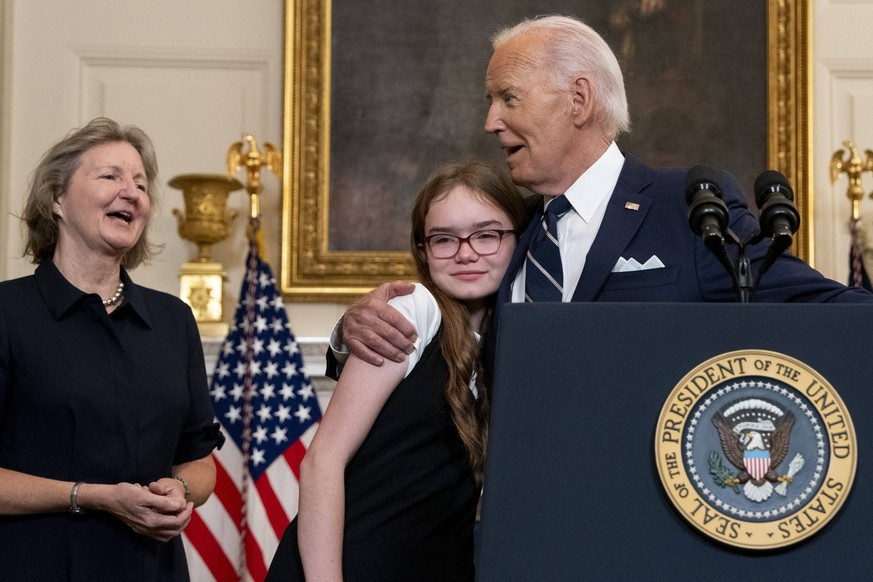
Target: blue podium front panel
[(679, 442)]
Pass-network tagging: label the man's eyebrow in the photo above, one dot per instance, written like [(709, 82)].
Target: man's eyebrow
[(500, 90)]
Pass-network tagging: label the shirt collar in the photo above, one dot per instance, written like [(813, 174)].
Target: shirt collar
[(596, 184), (60, 295)]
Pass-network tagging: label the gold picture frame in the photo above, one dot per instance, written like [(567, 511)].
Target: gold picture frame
[(312, 271)]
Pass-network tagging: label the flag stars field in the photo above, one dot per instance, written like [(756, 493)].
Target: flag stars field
[(287, 392), (289, 370), (303, 413), (268, 391)]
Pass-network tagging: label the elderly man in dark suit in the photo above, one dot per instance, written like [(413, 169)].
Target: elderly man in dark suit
[(556, 105)]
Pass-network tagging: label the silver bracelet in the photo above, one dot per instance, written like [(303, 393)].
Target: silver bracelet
[(185, 485), (74, 505)]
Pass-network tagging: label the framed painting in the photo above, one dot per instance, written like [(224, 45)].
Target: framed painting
[(380, 92)]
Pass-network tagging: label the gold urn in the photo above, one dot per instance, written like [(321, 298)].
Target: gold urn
[(206, 221)]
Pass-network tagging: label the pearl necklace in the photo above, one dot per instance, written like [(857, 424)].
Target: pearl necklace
[(115, 297)]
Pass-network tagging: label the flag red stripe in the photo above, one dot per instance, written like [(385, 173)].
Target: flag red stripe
[(273, 507), (227, 493), (204, 542), (294, 456), (255, 559)]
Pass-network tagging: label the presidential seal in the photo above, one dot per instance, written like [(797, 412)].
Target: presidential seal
[(756, 449)]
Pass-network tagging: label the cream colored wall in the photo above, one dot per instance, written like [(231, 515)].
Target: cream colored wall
[(194, 75)]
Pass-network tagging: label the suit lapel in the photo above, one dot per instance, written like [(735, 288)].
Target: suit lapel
[(504, 294), (625, 212), (621, 222)]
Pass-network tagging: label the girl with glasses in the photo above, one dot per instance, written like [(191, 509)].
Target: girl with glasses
[(390, 484)]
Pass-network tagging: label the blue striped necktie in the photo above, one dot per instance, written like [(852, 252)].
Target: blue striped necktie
[(544, 275)]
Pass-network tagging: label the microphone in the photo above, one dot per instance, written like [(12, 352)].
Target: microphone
[(707, 212), (779, 216)]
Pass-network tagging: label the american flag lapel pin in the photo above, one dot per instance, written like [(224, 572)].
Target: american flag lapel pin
[(631, 205)]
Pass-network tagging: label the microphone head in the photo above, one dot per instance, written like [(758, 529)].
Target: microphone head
[(772, 182), (701, 177), (775, 200)]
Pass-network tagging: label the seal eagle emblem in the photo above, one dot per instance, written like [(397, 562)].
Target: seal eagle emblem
[(755, 435), (756, 449)]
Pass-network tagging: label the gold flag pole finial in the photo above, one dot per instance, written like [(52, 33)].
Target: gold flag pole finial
[(253, 160), (853, 166)]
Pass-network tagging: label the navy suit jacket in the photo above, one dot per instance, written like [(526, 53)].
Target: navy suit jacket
[(647, 215)]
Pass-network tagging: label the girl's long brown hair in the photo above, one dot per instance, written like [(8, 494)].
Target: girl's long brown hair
[(459, 347)]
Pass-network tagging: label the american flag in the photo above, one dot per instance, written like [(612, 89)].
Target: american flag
[(268, 411)]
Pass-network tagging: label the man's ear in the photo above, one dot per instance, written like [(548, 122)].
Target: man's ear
[(583, 102)]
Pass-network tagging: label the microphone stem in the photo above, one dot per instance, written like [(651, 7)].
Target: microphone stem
[(778, 245), (744, 278)]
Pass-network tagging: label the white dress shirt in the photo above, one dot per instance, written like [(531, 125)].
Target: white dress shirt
[(589, 196)]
